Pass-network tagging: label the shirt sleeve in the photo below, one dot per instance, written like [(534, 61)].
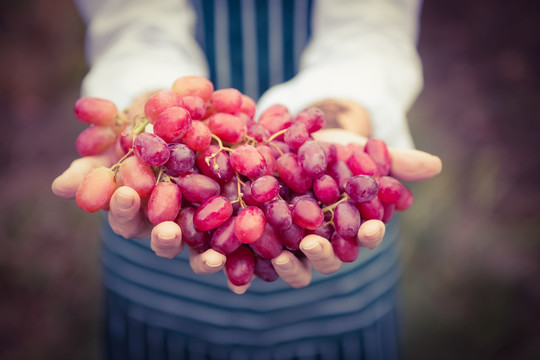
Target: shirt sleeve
[(133, 46), (363, 51)]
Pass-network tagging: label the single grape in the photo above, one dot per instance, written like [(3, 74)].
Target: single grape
[(218, 167), (269, 158), (390, 189), (240, 266), (361, 188), (227, 100), (264, 269), (346, 249), (195, 106), (164, 203), (247, 197), (292, 236), (326, 189), (276, 118), (406, 199), (258, 132), (361, 163), (198, 188), (313, 118), (159, 102), (278, 214), (230, 191), (292, 174), (193, 86), (151, 149), (181, 160), (325, 230), (229, 128), (388, 212), (378, 151), (343, 152), (212, 213), (347, 219), (340, 172), (247, 161), (330, 150), (172, 124), (264, 188), (371, 209), (269, 245), (126, 139), (307, 214), (248, 106), (198, 137), (249, 224), (96, 189), (224, 240), (137, 175), (96, 111), (296, 135), (94, 140), (312, 159), (191, 236)]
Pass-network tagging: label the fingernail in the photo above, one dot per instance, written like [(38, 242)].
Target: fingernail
[(313, 247), (166, 234), (213, 264), (124, 198), (284, 263)]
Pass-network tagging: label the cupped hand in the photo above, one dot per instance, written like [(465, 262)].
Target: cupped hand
[(407, 164)]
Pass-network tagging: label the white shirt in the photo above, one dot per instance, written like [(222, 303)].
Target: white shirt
[(359, 50)]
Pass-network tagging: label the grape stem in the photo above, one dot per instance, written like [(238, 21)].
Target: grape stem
[(334, 205), (115, 167), (221, 147), (239, 199), (275, 135)]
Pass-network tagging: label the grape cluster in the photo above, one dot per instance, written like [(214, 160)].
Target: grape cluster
[(248, 189)]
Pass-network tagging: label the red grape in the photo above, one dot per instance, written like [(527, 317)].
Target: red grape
[(371, 209), (164, 203), (227, 127), (296, 135), (159, 102), (405, 200), (264, 269), (278, 214), (195, 106), (151, 149), (198, 188), (193, 86), (248, 106), (307, 214), (275, 118), (181, 159), (247, 161), (313, 118), (227, 101), (347, 219), (326, 189), (340, 172), (218, 167), (96, 111), (96, 189), (224, 240), (292, 236), (240, 266), (361, 188), (137, 175), (390, 189), (361, 163), (378, 151), (198, 137), (269, 245), (94, 140), (249, 225), (264, 188), (292, 174), (192, 236), (172, 124), (212, 213), (346, 249)]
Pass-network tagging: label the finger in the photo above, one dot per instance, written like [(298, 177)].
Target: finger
[(238, 289), (67, 183), (339, 136), (414, 165), (320, 253), (166, 239), (125, 217), (295, 272), (371, 233), (207, 262)]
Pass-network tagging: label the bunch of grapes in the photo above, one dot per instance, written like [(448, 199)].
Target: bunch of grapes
[(247, 189)]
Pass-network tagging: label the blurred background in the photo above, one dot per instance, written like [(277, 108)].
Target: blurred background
[(471, 250)]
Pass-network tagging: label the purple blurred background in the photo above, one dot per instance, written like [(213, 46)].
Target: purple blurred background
[(471, 250)]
